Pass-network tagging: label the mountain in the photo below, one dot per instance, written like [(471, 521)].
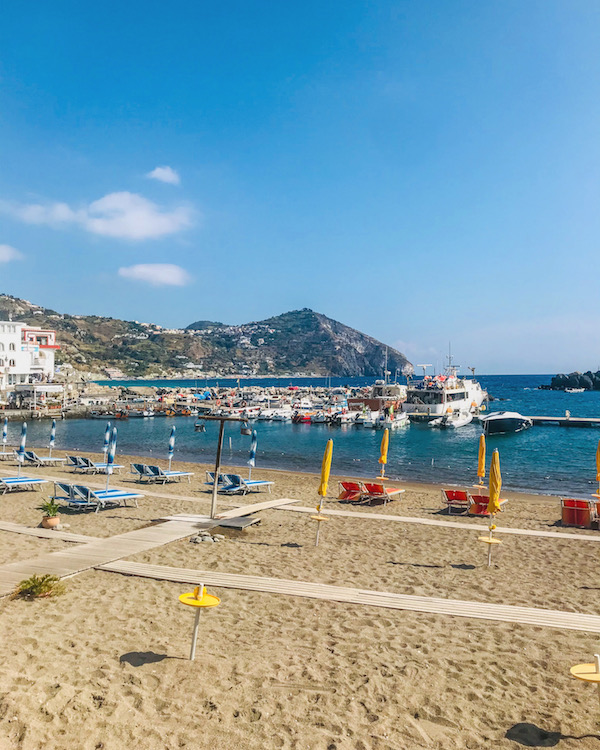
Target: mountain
[(301, 341)]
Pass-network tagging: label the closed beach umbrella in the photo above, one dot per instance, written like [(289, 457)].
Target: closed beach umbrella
[(495, 484), (252, 459), (481, 459), (5, 434), (325, 469), (110, 456), (52, 435), (106, 440), (21, 451), (383, 457), (597, 464), (171, 445)]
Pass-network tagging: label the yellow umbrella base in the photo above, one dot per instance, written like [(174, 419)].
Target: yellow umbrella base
[(208, 600), (585, 672), (487, 540), (320, 518)]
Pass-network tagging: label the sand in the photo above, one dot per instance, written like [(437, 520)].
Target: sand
[(105, 665)]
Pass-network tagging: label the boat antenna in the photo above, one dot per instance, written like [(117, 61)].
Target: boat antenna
[(424, 369), (472, 371), (385, 371)]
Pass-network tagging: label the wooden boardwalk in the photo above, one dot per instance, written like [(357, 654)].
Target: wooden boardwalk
[(64, 536), (430, 605), (85, 556)]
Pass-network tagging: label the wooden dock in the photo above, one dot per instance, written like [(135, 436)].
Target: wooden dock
[(430, 605), (567, 421)]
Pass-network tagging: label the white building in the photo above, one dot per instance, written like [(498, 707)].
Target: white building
[(26, 354)]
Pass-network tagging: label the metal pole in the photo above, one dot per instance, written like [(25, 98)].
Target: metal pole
[(213, 503), (195, 635)]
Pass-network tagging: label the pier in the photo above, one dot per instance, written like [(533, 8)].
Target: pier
[(567, 421)]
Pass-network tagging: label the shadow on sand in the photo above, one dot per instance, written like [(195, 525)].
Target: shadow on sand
[(139, 658), (529, 735)]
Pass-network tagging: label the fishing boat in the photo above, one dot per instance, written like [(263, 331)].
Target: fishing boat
[(504, 421)]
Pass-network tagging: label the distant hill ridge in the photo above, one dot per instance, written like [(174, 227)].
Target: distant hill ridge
[(296, 342)]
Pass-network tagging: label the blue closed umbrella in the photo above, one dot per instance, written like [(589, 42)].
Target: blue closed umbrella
[(252, 459), (52, 437), (4, 434), (171, 446), (21, 451), (106, 440), (110, 457)]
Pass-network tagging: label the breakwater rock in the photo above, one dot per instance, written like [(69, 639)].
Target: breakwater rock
[(590, 381)]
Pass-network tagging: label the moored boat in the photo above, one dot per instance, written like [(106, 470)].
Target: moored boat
[(504, 421)]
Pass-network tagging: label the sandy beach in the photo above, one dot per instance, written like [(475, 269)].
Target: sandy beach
[(106, 664)]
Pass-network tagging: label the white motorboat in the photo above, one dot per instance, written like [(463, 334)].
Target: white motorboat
[(452, 420), (504, 421), (574, 390)]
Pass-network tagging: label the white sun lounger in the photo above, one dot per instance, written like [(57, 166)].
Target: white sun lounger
[(104, 497), (8, 484), (235, 484), (32, 457), (166, 475)]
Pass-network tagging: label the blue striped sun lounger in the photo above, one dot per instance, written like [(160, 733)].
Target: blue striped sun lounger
[(104, 497), (32, 457), (166, 475), (235, 484), (8, 484)]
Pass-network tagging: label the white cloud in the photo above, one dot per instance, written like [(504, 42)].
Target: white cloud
[(124, 215), (157, 274), (165, 174), (8, 253)]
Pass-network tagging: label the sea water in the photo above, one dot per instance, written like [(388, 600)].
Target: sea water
[(549, 459)]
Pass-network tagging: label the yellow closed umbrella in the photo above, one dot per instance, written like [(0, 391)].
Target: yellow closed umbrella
[(481, 460), (598, 466), (325, 469), (495, 484), (385, 442)]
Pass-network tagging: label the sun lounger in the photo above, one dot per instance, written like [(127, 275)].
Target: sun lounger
[(5, 455), (351, 491), (33, 458), (234, 484), (142, 472), (479, 505), (8, 484), (457, 500), (86, 466), (64, 492), (104, 497), (380, 492), (210, 479), (166, 475), (578, 512)]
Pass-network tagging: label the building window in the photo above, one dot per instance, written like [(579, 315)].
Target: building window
[(11, 347), (11, 362)]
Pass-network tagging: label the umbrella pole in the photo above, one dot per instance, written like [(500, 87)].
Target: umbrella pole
[(490, 548), (195, 635), (213, 502), (170, 459), (318, 529)]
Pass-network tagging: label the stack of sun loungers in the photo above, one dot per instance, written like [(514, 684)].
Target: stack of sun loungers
[(84, 498), (462, 501), (145, 472), (361, 492), (233, 484), (86, 466), (583, 513), (11, 484)]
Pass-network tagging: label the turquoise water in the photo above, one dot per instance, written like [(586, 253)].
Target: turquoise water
[(543, 459)]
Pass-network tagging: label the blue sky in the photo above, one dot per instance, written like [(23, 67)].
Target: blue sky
[(423, 171)]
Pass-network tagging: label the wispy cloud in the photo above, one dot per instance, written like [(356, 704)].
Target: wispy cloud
[(157, 274), (8, 253), (165, 174), (124, 215)]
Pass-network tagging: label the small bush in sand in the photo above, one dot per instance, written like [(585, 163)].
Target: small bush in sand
[(38, 587)]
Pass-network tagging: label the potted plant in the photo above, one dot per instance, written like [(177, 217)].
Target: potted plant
[(50, 511)]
